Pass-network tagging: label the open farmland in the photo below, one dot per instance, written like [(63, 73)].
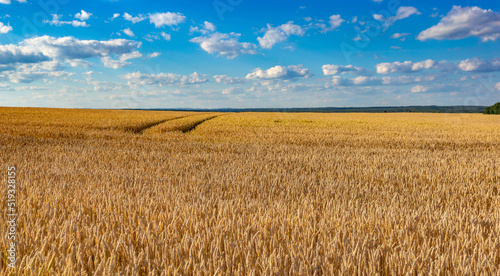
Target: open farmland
[(104, 192)]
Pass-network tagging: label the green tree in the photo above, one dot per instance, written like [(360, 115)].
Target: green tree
[(494, 109)]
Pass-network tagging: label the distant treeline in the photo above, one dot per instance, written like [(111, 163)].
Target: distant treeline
[(387, 109)]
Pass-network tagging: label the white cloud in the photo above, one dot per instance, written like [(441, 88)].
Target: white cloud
[(27, 73), (78, 63), (279, 34), (228, 80), (402, 13), (498, 86), (375, 81), (335, 22), (479, 65), (115, 15), (128, 32), (280, 73), (205, 29), (83, 15), (166, 19), (405, 67), (154, 55), (56, 21), (165, 36), (121, 62), (419, 89), (8, 2), (399, 35), (5, 28), (465, 22), (226, 45), (331, 69), (138, 78), (133, 19), (72, 48), (157, 36), (10, 54)]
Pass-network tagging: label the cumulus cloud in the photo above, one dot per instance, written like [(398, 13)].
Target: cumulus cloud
[(121, 62), (498, 86), (154, 55), (405, 67), (157, 36), (8, 2), (279, 34), (72, 48), (419, 89), (402, 13), (5, 28), (128, 32), (56, 21), (207, 27), (138, 78), (479, 65), (165, 36), (226, 45), (331, 69), (335, 22), (465, 22), (228, 80), (83, 15), (280, 73), (399, 35), (374, 81), (166, 19), (133, 19), (27, 73), (10, 54)]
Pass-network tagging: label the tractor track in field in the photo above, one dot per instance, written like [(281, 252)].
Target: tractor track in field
[(196, 124), (153, 124)]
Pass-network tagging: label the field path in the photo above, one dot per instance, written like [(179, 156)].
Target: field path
[(184, 124)]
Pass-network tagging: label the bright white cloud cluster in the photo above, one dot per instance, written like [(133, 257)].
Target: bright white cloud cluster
[(83, 15), (226, 45), (56, 21), (402, 13), (405, 67), (158, 19), (207, 27), (138, 78), (279, 34), (374, 81), (121, 62), (128, 32), (133, 19), (8, 2), (280, 73), (26, 73), (166, 19), (479, 65), (4, 28), (228, 80), (72, 48), (465, 22), (331, 69), (335, 22)]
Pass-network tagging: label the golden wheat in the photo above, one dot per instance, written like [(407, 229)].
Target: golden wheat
[(127, 193)]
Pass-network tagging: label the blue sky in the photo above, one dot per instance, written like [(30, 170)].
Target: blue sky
[(240, 53)]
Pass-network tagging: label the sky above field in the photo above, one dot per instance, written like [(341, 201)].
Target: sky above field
[(241, 53)]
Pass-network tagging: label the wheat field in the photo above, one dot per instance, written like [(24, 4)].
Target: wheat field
[(109, 192)]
